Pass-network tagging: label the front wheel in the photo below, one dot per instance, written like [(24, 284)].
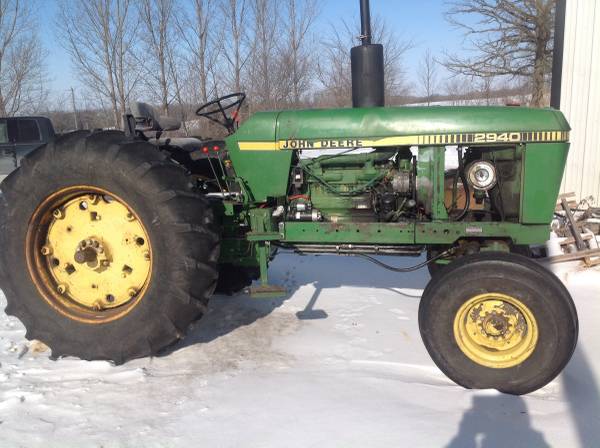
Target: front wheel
[(500, 321)]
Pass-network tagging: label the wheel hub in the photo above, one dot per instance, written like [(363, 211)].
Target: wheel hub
[(91, 251), (495, 330), (495, 325)]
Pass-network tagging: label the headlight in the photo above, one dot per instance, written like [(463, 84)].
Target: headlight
[(481, 175)]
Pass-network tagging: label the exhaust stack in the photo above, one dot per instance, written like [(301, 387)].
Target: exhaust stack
[(366, 62)]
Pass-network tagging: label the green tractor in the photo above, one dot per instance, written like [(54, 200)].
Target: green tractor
[(113, 242)]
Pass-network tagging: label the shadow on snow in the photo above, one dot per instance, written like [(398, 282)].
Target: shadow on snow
[(497, 421), (226, 314)]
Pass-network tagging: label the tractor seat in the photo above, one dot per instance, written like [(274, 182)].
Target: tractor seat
[(147, 120)]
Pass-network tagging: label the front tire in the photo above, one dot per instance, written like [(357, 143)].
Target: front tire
[(500, 321), (108, 253)]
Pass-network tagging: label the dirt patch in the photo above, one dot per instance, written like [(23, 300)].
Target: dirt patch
[(236, 334)]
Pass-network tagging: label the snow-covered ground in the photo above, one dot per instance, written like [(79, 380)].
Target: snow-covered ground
[(338, 362)]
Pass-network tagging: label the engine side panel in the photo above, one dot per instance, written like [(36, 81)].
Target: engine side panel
[(542, 175)]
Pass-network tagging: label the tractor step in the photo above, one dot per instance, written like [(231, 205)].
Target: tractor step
[(267, 291)]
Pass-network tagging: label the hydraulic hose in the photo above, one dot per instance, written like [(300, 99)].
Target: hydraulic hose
[(408, 269), (461, 169)]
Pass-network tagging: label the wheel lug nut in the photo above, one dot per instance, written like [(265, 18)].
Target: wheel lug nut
[(130, 216), (46, 250), (58, 214), (132, 292), (61, 288)]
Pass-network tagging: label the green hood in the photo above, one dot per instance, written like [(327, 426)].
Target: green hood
[(382, 122)]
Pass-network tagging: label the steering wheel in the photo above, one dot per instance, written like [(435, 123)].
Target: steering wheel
[(216, 110)]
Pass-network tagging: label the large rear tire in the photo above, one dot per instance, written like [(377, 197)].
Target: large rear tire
[(500, 321), (108, 253)]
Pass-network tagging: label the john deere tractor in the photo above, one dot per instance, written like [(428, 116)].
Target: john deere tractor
[(113, 242)]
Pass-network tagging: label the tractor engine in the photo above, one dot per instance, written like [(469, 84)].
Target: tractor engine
[(371, 187)]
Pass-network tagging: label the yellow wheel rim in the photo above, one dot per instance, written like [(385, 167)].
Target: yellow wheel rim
[(495, 330), (88, 254)]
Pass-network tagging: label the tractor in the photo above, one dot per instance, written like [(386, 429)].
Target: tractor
[(113, 242)]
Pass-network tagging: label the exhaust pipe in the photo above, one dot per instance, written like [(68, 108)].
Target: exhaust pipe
[(366, 62)]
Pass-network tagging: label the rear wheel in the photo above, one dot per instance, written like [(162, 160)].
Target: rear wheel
[(497, 320), (108, 252)]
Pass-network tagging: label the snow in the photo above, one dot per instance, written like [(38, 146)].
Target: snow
[(337, 362)]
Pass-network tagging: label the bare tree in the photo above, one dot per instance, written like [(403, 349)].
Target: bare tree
[(427, 74), (201, 49), (22, 73), (394, 48), (509, 38), (486, 86), (100, 36), (156, 37), (333, 67), (236, 48), (264, 78), (457, 90), (178, 82), (297, 54)]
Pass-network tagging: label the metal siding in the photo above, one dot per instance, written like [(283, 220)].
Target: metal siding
[(580, 98)]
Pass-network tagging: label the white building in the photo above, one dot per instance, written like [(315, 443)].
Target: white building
[(580, 97)]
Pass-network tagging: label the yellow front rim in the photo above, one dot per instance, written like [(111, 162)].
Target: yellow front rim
[(495, 330), (88, 254)]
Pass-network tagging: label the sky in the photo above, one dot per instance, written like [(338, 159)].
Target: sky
[(419, 21)]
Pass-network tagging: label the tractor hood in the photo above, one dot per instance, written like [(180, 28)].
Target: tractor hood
[(378, 126)]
